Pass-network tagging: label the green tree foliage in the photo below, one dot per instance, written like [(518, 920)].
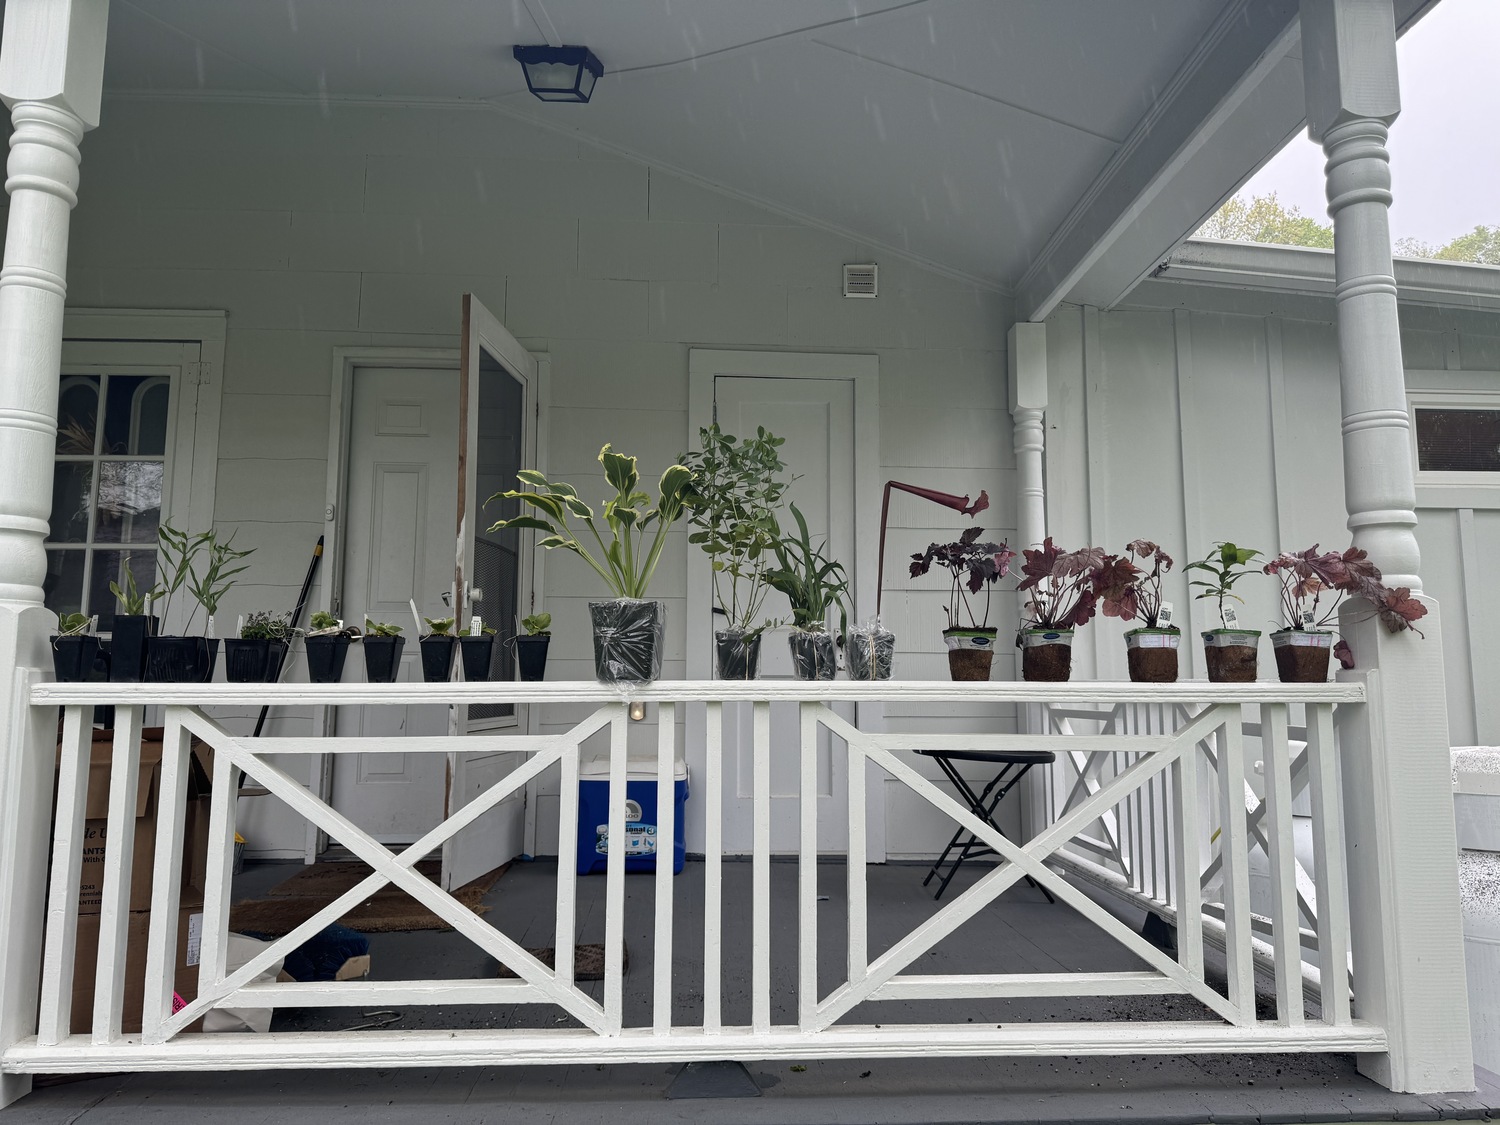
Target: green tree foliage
[(1263, 218), (1481, 245)]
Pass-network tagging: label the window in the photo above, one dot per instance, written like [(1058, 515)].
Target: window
[(1453, 440), (109, 486)]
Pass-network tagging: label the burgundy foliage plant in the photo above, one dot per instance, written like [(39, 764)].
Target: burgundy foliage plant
[(973, 566), (1060, 585), (1313, 585), (1127, 590)]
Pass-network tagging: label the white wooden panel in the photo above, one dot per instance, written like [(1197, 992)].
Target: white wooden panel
[(625, 250), (727, 313)]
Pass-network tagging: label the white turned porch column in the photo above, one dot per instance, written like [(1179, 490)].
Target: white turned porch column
[(1027, 347), (51, 71), (1406, 925)]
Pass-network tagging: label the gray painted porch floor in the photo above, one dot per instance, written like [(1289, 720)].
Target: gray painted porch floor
[(1020, 932)]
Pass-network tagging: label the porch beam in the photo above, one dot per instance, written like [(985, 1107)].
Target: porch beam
[(51, 74), (1405, 922)]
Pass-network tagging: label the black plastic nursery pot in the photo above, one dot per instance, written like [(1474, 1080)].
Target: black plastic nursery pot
[(325, 658), (127, 647), (1230, 655), (478, 655), (383, 658), (437, 658), (73, 658), (872, 652), (181, 660), (736, 657), (249, 660), (814, 655), (531, 658), (629, 637)]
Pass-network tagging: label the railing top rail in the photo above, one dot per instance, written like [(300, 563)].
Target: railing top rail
[(589, 691)]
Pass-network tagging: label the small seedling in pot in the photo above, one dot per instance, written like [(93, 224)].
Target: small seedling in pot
[(537, 625), (323, 622), (439, 626), (380, 629), (1226, 564), (264, 626), (132, 601), (73, 624)]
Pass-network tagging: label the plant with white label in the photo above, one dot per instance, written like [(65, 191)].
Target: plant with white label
[(1129, 591), (1226, 564)]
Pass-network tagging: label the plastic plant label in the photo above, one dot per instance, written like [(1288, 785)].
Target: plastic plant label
[(1307, 619), (1164, 615), (194, 938), (476, 626), (1230, 618)]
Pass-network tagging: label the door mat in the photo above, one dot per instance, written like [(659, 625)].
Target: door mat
[(388, 911), (588, 961), (329, 880)]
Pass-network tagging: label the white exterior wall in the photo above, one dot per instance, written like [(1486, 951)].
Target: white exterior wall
[(359, 225), (1202, 414)]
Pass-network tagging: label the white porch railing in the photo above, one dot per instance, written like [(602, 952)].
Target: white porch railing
[(1122, 775)]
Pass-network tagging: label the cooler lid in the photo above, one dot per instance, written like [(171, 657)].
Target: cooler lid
[(636, 769)]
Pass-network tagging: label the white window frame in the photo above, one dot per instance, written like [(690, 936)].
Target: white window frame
[(1452, 390)]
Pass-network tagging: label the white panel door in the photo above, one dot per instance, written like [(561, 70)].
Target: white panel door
[(403, 478), (816, 417)]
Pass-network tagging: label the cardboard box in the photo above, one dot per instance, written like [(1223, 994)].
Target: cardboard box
[(86, 963), (96, 824)]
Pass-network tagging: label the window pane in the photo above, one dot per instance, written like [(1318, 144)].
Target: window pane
[(129, 502), (62, 589), (1458, 441), (109, 566), (136, 419), (70, 501), (77, 413)]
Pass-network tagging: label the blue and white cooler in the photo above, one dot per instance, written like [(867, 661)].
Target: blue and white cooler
[(641, 840)]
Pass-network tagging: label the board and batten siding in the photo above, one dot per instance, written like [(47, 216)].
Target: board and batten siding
[(1200, 414), (336, 225)]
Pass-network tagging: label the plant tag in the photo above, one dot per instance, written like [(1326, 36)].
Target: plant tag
[(1307, 619), (210, 632), (1230, 618), (476, 626), (415, 616), (239, 626), (194, 950), (1164, 615)]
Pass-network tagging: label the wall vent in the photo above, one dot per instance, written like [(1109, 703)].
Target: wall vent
[(862, 280)]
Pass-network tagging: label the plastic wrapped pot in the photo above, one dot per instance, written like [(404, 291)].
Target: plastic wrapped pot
[(971, 652), (325, 658), (1152, 654), (814, 656), (736, 657), (1302, 655), (872, 652), (73, 658), (250, 661), (181, 660), (127, 647), (437, 658), (1046, 655), (531, 657), (477, 653), (382, 658), (629, 637), (1230, 655)]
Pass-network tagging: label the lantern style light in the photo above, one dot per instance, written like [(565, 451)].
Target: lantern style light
[(559, 74)]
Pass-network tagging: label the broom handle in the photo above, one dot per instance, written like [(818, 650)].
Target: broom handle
[(307, 582)]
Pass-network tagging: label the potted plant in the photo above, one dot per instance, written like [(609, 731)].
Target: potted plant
[(74, 649), (628, 630), (732, 500), (531, 647), (130, 629), (257, 654), (186, 658), (972, 566), (1229, 651), (383, 644), (477, 651), (1129, 591), (437, 650), (813, 584), (1303, 647), (1060, 599), (327, 647), (871, 651)]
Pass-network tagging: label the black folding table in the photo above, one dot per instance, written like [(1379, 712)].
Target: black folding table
[(1014, 765)]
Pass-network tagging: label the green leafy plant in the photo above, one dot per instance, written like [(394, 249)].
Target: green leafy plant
[(736, 490), (637, 534), (440, 626), (486, 631), (177, 551), (1226, 564), (812, 582), (380, 629), (132, 601), (322, 620), (265, 626), (217, 578), (73, 624), (537, 625)]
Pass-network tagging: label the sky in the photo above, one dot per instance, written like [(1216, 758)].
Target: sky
[(1445, 146)]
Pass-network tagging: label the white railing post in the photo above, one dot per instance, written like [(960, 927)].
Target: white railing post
[(51, 70), (1026, 356), (1403, 875)]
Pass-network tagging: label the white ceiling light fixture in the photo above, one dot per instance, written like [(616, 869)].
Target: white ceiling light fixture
[(559, 74)]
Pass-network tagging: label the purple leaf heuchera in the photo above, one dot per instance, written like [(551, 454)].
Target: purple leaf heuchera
[(1307, 577), (1061, 585), (973, 565)]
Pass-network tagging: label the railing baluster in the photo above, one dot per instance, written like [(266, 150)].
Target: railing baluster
[(760, 953), (666, 856), (1328, 858), (1188, 861), (119, 851), (1287, 938), (223, 801), (856, 872), (56, 1016), (166, 881), (713, 868), (1233, 847), (614, 876), (565, 927), (807, 869)]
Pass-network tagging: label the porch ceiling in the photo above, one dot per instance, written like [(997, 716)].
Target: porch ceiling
[(1054, 148)]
